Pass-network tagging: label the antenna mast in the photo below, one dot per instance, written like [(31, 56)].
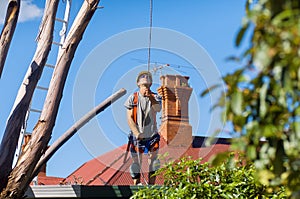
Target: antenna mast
[(150, 35)]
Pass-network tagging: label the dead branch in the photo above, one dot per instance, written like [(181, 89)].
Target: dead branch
[(25, 93), (8, 30), (20, 177)]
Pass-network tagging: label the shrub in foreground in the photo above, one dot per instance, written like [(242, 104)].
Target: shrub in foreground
[(188, 178)]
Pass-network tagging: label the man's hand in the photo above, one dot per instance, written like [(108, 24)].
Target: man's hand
[(155, 104), (152, 99), (148, 92), (138, 136)]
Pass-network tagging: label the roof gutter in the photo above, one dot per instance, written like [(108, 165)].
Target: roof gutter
[(80, 191)]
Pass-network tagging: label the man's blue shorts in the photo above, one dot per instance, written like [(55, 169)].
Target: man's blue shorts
[(145, 145)]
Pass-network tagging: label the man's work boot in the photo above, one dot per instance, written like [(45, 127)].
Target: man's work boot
[(136, 181), (151, 177)]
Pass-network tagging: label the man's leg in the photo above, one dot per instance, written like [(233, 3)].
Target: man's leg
[(154, 165), (135, 169)]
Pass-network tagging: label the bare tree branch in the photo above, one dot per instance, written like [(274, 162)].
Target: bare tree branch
[(21, 175), (25, 93), (8, 30)]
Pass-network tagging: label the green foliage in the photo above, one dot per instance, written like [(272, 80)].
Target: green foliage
[(189, 178), (262, 98)]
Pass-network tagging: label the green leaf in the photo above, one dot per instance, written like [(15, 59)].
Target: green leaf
[(287, 82), (281, 98), (280, 156), (236, 102), (277, 70), (269, 130), (262, 100), (239, 122), (297, 128), (205, 92), (220, 158), (251, 152), (262, 58), (210, 140), (282, 17), (241, 34), (233, 58), (298, 74)]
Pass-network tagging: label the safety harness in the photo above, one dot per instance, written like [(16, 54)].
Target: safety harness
[(152, 143), (135, 104)]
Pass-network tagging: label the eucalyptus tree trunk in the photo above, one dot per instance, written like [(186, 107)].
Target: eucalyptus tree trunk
[(8, 30), (25, 93), (22, 174)]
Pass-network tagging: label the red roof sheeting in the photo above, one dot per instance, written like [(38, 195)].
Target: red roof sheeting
[(109, 168), (49, 180)]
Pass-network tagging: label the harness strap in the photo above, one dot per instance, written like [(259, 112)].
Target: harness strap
[(135, 102)]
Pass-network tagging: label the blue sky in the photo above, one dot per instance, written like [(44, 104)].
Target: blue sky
[(110, 56)]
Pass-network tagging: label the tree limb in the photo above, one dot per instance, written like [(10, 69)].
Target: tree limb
[(8, 30), (25, 93), (21, 175)]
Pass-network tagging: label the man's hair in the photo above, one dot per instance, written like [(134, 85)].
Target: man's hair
[(144, 73)]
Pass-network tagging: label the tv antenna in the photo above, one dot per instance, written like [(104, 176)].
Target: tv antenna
[(158, 68)]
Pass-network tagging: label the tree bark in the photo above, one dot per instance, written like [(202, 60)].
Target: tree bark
[(21, 175), (71, 131), (25, 93), (8, 30)]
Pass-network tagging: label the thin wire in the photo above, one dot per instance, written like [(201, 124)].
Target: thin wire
[(150, 35)]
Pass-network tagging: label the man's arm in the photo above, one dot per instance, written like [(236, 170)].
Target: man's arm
[(155, 104), (131, 123)]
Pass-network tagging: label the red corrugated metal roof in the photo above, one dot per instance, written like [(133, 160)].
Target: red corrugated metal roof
[(49, 180), (109, 169)]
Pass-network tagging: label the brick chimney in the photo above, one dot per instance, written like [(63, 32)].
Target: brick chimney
[(175, 127)]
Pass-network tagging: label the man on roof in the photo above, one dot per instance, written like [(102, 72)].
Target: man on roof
[(142, 107)]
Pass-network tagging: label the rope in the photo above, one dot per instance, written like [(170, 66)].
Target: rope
[(150, 35)]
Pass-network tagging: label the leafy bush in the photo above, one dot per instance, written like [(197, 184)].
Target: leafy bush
[(189, 178), (262, 97)]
